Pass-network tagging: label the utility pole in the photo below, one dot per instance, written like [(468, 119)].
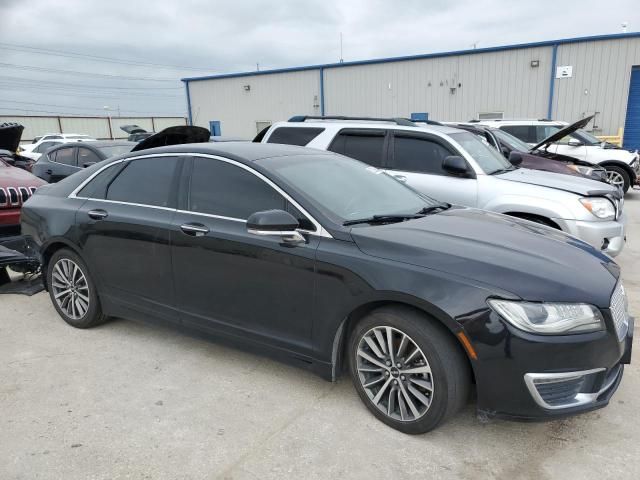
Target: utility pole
[(341, 57)]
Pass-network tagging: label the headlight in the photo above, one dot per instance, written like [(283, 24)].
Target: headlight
[(584, 170), (600, 207), (550, 318)]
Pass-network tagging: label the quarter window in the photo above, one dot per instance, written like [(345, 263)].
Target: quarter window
[(66, 156), (294, 136), (414, 154), (364, 145), (147, 181), (220, 188)]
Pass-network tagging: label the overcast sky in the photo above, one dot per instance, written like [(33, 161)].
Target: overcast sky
[(48, 49)]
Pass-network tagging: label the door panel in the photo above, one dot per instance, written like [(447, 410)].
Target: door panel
[(231, 281)]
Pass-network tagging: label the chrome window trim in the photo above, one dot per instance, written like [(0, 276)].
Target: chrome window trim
[(320, 230)]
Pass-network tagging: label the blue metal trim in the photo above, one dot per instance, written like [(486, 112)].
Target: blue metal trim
[(322, 91), (186, 87), (552, 80), (546, 43)]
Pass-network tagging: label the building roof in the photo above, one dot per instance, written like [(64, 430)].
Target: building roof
[(546, 43)]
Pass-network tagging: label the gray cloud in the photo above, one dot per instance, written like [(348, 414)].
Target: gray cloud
[(234, 36)]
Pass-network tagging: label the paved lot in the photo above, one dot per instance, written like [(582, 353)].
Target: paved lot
[(132, 401)]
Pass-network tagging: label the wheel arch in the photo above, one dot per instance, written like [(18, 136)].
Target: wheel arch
[(533, 217), (431, 312), (49, 249), (617, 163)]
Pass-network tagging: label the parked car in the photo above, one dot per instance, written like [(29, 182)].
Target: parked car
[(10, 134), (16, 186), (455, 166), (534, 158), (329, 263), (136, 133), (67, 158), (623, 166)]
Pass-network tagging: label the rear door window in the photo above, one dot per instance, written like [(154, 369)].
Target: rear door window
[(294, 135), (148, 181), (66, 156), (368, 146), (413, 153), (86, 156)]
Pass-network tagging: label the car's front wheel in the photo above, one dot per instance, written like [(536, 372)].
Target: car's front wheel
[(408, 370), (72, 290), (618, 177)]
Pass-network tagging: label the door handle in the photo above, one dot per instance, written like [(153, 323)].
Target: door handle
[(97, 214), (194, 229), (401, 178)]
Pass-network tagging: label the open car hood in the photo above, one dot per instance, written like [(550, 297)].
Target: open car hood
[(132, 129), (10, 134), (563, 132), (174, 136)]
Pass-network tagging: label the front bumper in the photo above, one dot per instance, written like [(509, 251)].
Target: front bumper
[(607, 236), (528, 377)]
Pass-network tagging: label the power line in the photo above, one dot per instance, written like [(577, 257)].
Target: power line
[(88, 74), (86, 93), (58, 106), (76, 85), (79, 114), (62, 53)]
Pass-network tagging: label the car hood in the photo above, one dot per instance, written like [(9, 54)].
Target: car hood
[(178, 135), (532, 261), (10, 134), (132, 129), (17, 177), (577, 185), (563, 132)]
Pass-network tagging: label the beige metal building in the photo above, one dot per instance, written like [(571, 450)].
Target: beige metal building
[(560, 79)]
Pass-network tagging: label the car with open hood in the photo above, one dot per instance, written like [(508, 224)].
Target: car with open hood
[(554, 137), (455, 166), (534, 158), (329, 263), (10, 135), (16, 187), (135, 132)]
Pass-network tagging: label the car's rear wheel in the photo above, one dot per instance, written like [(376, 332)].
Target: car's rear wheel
[(72, 290), (408, 370), (618, 177)]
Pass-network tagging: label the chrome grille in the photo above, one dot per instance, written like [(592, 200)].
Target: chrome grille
[(12, 197), (619, 311)]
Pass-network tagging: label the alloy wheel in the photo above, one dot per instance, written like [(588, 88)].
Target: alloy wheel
[(615, 178), (70, 288), (394, 373)]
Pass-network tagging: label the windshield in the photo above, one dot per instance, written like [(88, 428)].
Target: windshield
[(346, 189), (488, 158), (514, 143), (113, 150)]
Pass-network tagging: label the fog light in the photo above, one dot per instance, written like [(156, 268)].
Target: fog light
[(605, 244)]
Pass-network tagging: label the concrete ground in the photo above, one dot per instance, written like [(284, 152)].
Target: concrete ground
[(131, 401)]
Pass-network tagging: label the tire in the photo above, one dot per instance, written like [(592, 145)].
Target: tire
[(441, 375), (85, 311), (618, 176)]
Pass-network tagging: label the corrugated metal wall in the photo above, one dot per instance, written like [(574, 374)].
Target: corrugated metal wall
[(448, 88), (270, 98), (497, 81), (600, 82), (97, 127)]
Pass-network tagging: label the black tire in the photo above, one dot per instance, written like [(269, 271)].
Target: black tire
[(449, 376), (93, 315), (621, 172)]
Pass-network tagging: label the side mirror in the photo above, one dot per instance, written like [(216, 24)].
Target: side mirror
[(515, 158), (574, 142), (454, 164), (275, 223), (505, 151), (88, 164)]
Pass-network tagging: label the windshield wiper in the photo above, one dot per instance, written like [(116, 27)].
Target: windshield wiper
[(502, 170), (383, 219), (433, 208)]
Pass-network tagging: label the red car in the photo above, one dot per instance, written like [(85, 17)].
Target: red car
[(16, 184)]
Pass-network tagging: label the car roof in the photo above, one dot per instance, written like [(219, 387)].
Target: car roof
[(387, 125), (245, 152)]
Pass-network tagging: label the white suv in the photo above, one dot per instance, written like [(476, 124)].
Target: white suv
[(623, 166), (454, 166)]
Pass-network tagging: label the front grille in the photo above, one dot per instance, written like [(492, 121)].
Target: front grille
[(619, 311), (11, 197), (14, 199)]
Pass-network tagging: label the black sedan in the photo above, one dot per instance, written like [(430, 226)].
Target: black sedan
[(329, 263), (67, 158)]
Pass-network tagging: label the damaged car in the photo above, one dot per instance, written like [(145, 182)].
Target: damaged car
[(10, 135)]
